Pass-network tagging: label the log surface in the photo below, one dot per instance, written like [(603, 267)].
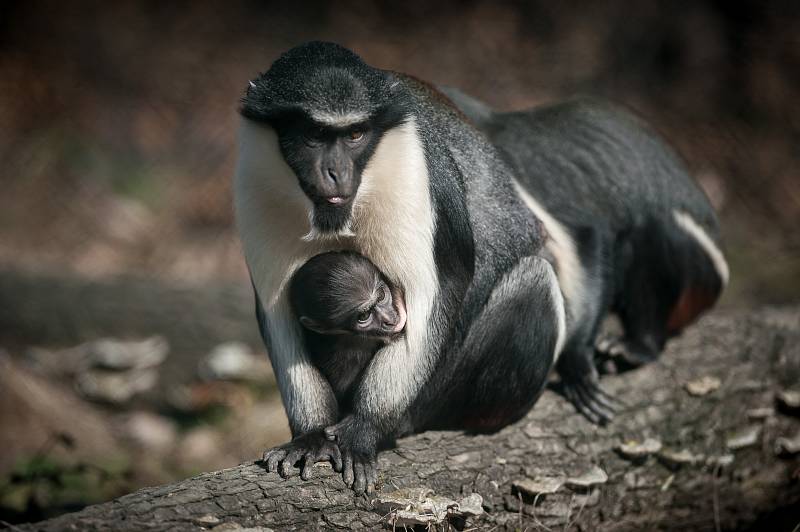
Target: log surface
[(754, 354)]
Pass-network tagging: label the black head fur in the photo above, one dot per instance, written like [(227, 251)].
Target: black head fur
[(318, 76), (326, 287)]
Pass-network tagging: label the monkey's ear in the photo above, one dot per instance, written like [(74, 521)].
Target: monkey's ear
[(312, 325)]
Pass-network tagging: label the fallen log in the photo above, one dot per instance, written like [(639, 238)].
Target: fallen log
[(708, 441), (64, 310)]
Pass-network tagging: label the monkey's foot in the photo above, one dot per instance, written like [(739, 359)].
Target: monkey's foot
[(616, 354), (590, 400), (311, 448), (357, 443)]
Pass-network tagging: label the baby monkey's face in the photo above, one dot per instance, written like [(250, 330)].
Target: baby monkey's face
[(380, 313), (355, 300)]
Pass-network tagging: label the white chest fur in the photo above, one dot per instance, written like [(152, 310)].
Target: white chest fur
[(571, 275), (392, 224)]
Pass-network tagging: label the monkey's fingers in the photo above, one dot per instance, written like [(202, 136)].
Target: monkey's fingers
[(605, 398), (572, 396), (371, 469), (603, 345), (330, 433), (336, 458), (583, 406), (622, 354), (273, 457), (287, 465), (589, 405), (308, 464), (347, 468), (360, 482), (605, 413), (592, 389)]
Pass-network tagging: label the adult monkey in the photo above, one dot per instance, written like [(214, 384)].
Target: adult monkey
[(630, 231), (335, 154)]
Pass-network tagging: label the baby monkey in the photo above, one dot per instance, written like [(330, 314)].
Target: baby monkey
[(348, 310)]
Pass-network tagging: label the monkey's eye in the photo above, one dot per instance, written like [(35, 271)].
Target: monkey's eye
[(383, 294), (356, 135), (314, 135), (364, 317)]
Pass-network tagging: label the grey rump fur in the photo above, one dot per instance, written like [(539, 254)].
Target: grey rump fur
[(615, 185)]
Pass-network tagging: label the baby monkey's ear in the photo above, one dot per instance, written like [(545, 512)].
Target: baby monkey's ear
[(313, 325)]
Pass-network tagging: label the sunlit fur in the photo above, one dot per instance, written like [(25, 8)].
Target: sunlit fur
[(688, 224), (542, 272), (571, 274), (338, 120), (273, 218), (394, 226), (629, 231)]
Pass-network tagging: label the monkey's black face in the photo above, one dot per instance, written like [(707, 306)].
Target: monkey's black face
[(370, 309), (328, 163), (382, 316), (330, 110), (343, 292)]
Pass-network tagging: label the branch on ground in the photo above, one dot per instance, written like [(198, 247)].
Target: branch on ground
[(709, 441)]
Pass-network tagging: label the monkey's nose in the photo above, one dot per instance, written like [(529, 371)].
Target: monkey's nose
[(394, 325), (332, 175), (387, 322)]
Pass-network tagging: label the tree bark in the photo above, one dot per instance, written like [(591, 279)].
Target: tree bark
[(739, 482)]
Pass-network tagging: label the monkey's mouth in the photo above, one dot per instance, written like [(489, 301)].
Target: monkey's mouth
[(338, 200)]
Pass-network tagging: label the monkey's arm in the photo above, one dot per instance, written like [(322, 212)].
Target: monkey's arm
[(376, 417), (308, 398), (389, 385)]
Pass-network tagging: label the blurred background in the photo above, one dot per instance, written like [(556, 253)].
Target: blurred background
[(128, 351)]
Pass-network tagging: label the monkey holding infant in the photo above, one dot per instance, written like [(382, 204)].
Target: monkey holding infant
[(495, 243)]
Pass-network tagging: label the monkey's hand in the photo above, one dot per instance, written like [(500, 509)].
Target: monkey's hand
[(311, 447), (615, 355), (357, 439)]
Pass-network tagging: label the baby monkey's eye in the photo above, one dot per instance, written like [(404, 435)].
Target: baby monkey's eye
[(356, 135), (363, 317)]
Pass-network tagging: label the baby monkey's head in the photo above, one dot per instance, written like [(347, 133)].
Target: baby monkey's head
[(342, 292)]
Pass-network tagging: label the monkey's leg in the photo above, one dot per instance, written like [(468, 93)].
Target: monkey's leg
[(669, 280), (308, 444), (576, 366), (501, 367)]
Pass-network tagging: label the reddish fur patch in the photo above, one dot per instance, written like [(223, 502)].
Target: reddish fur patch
[(691, 303), (489, 420)]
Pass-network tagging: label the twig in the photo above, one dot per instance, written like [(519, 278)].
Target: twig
[(716, 499)]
